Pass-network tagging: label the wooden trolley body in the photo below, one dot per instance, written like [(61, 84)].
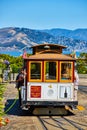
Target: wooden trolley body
[(50, 78)]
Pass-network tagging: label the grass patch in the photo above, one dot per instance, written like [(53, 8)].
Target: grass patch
[(2, 89)]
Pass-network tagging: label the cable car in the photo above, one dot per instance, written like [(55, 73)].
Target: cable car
[(49, 85)]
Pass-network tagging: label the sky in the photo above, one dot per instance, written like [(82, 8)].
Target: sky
[(43, 14)]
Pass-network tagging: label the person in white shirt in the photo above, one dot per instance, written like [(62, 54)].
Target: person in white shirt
[(76, 83)]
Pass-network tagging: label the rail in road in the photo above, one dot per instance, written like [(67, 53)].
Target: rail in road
[(60, 123)]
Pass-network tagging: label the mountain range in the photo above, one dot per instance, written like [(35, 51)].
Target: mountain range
[(19, 38)]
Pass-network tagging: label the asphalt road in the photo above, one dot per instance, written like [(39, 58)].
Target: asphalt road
[(20, 120)]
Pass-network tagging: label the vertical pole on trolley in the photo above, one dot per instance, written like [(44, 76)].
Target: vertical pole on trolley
[(24, 56), (24, 77)]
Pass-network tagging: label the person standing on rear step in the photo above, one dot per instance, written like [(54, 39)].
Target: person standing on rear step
[(76, 83), (20, 82)]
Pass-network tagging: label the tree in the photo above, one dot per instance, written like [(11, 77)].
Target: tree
[(14, 62), (82, 63)]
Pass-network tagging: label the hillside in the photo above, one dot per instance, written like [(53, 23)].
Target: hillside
[(80, 34), (18, 38)]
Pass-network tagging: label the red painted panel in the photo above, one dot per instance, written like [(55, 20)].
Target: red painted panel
[(59, 71), (43, 71), (28, 71), (35, 92), (73, 72)]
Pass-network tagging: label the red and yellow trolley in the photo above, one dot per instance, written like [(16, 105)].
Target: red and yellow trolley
[(49, 85)]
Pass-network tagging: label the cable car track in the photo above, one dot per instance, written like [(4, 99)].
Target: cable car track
[(44, 122), (60, 123)]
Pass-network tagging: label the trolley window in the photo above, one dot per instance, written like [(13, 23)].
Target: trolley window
[(51, 71), (35, 71), (66, 69)]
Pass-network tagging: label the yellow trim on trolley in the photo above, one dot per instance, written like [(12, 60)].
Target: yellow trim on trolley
[(70, 72), (35, 80), (50, 80)]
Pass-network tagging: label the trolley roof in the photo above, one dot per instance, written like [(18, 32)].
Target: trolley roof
[(50, 56), (47, 47), (49, 52), (49, 44)]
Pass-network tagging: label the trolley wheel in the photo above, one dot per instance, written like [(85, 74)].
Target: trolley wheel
[(31, 109)]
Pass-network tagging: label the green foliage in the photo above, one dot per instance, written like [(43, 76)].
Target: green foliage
[(15, 62), (82, 63), (2, 89)]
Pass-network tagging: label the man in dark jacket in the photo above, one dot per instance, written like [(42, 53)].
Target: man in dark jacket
[(20, 82)]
